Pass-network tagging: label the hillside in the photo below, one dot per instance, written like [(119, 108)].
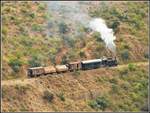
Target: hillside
[(124, 88), (38, 33)]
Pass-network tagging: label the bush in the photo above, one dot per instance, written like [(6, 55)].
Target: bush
[(48, 96), (32, 15), (69, 41), (82, 54), (115, 25), (22, 89), (97, 36), (125, 86), (64, 60), (123, 71), (131, 67), (93, 104), (35, 61), (113, 80), (100, 103), (63, 28), (15, 64), (36, 27), (125, 55), (61, 96), (114, 88)]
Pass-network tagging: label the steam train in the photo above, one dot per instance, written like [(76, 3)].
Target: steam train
[(72, 66)]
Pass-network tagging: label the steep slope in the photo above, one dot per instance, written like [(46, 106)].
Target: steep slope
[(125, 88), (32, 36)]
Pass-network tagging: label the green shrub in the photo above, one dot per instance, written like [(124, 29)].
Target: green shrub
[(114, 88), (48, 96), (32, 15), (100, 103), (93, 104), (22, 89), (42, 6), (125, 55), (61, 96), (102, 79), (113, 80), (64, 60), (97, 36), (36, 27), (15, 64), (23, 108), (63, 28), (115, 25), (131, 67), (125, 86), (123, 71), (69, 41), (82, 54), (25, 41), (35, 61)]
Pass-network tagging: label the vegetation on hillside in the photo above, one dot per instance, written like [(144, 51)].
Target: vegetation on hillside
[(32, 36), (117, 89)]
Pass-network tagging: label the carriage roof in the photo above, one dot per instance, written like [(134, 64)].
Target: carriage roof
[(91, 61), (35, 68)]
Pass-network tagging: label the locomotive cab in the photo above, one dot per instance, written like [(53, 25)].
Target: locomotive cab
[(112, 62)]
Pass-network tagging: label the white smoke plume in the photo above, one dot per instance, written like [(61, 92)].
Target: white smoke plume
[(75, 12), (107, 34)]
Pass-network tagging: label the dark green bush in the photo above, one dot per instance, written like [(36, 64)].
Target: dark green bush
[(15, 64), (100, 103), (125, 55), (123, 71), (63, 28), (93, 104), (131, 67), (36, 27), (48, 96), (61, 96), (32, 15), (113, 80), (35, 61), (114, 88), (22, 89), (115, 25), (69, 41), (82, 54), (64, 60), (97, 36)]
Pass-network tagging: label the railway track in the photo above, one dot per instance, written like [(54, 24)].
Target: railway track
[(26, 81)]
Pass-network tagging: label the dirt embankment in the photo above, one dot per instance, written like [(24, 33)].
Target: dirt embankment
[(32, 80), (77, 89)]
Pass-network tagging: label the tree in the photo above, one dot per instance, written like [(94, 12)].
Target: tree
[(125, 54), (15, 64), (63, 28), (35, 61)]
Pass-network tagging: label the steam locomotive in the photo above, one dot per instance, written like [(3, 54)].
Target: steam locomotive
[(72, 66)]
